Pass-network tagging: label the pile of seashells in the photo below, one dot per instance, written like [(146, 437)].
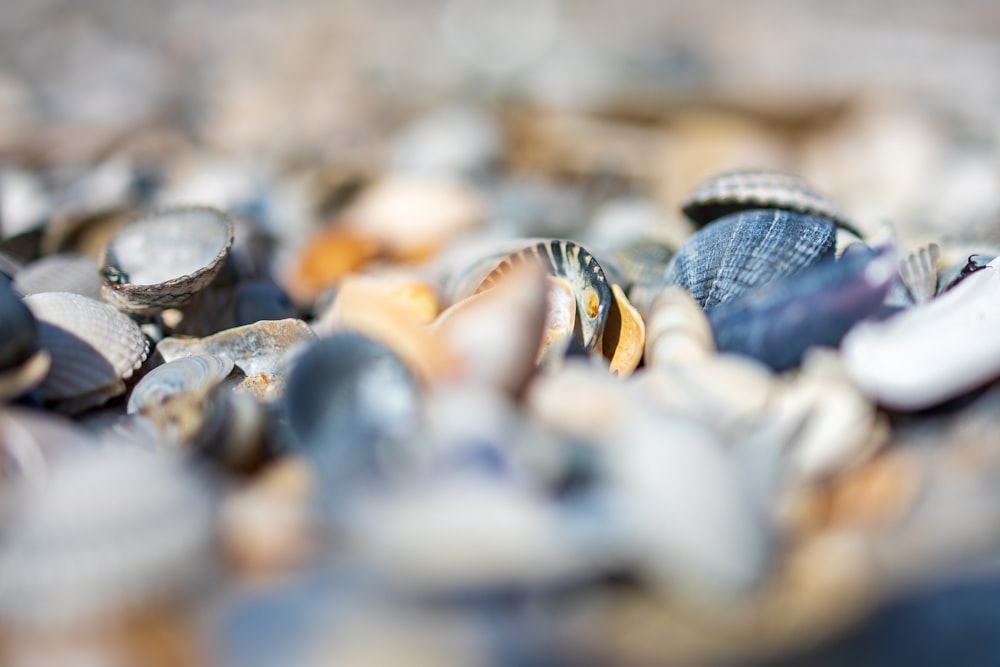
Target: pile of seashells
[(431, 431)]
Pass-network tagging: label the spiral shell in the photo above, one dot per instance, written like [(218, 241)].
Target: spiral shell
[(163, 259)]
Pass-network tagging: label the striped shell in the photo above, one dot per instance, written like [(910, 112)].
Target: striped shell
[(60, 273), (747, 249), (112, 531), (579, 268), (192, 373), (163, 259), (745, 189), (93, 347)]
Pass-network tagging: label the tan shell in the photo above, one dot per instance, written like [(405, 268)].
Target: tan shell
[(259, 349), (93, 347), (677, 330), (162, 259), (624, 335)]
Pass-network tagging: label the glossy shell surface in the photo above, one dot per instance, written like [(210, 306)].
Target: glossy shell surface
[(580, 269), (746, 250), (741, 190), (163, 259), (93, 346), (197, 372)]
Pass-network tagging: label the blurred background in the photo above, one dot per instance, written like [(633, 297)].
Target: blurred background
[(892, 108)]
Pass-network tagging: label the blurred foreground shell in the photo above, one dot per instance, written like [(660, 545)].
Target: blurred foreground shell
[(76, 555), (746, 189), (94, 349), (747, 249), (162, 259)]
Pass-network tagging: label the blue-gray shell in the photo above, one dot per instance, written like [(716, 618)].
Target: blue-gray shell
[(748, 249)]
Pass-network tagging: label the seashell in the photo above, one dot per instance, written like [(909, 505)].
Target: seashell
[(573, 263), (413, 217), (325, 258), (18, 328), (94, 348), (32, 442), (164, 258), (494, 337), (641, 264), (932, 352), (956, 274), (624, 337), (60, 273), (777, 322), (745, 189), (677, 330), (919, 272), (177, 377), (748, 249), (348, 397), (560, 320), (372, 307), (77, 556), (259, 350)]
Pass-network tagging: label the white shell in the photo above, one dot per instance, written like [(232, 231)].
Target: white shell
[(934, 351), (110, 532), (677, 330), (178, 377), (919, 272), (93, 347)]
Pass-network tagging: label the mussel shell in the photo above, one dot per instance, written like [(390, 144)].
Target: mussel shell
[(18, 328), (580, 269), (60, 273), (748, 249), (745, 189), (177, 377), (93, 346), (163, 259), (778, 322)]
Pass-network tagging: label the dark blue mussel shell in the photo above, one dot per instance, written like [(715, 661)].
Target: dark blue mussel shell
[(745, 250), (777, 323)]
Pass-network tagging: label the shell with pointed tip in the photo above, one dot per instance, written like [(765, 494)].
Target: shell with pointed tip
[(77, 555), (745, 189), (163, 259), (94, 348), (746, 250), (932, 352), (176, 377), (778, 322), (919, 272), (580, 269), (60, 273)]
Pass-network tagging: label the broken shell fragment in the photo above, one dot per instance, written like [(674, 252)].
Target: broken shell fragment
[(919, 272), (624, 336), (163, 259), (261, 350), (94, 348)]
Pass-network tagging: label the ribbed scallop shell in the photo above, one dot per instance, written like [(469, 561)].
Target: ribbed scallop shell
[(748, 249), (919, 272), (112, 531), (580, 269), (197, 372), (60, 273), (745, 189), (163, 259), (93, 347)]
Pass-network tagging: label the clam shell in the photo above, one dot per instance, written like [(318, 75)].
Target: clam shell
[(624, 336), (776, 323), (919, 272), (60, 273), (575, 264), (932, 352), (113, 531), (259, 350), (182, 375), (748, 249), (93, 347), (745, 189), (163, 259)]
